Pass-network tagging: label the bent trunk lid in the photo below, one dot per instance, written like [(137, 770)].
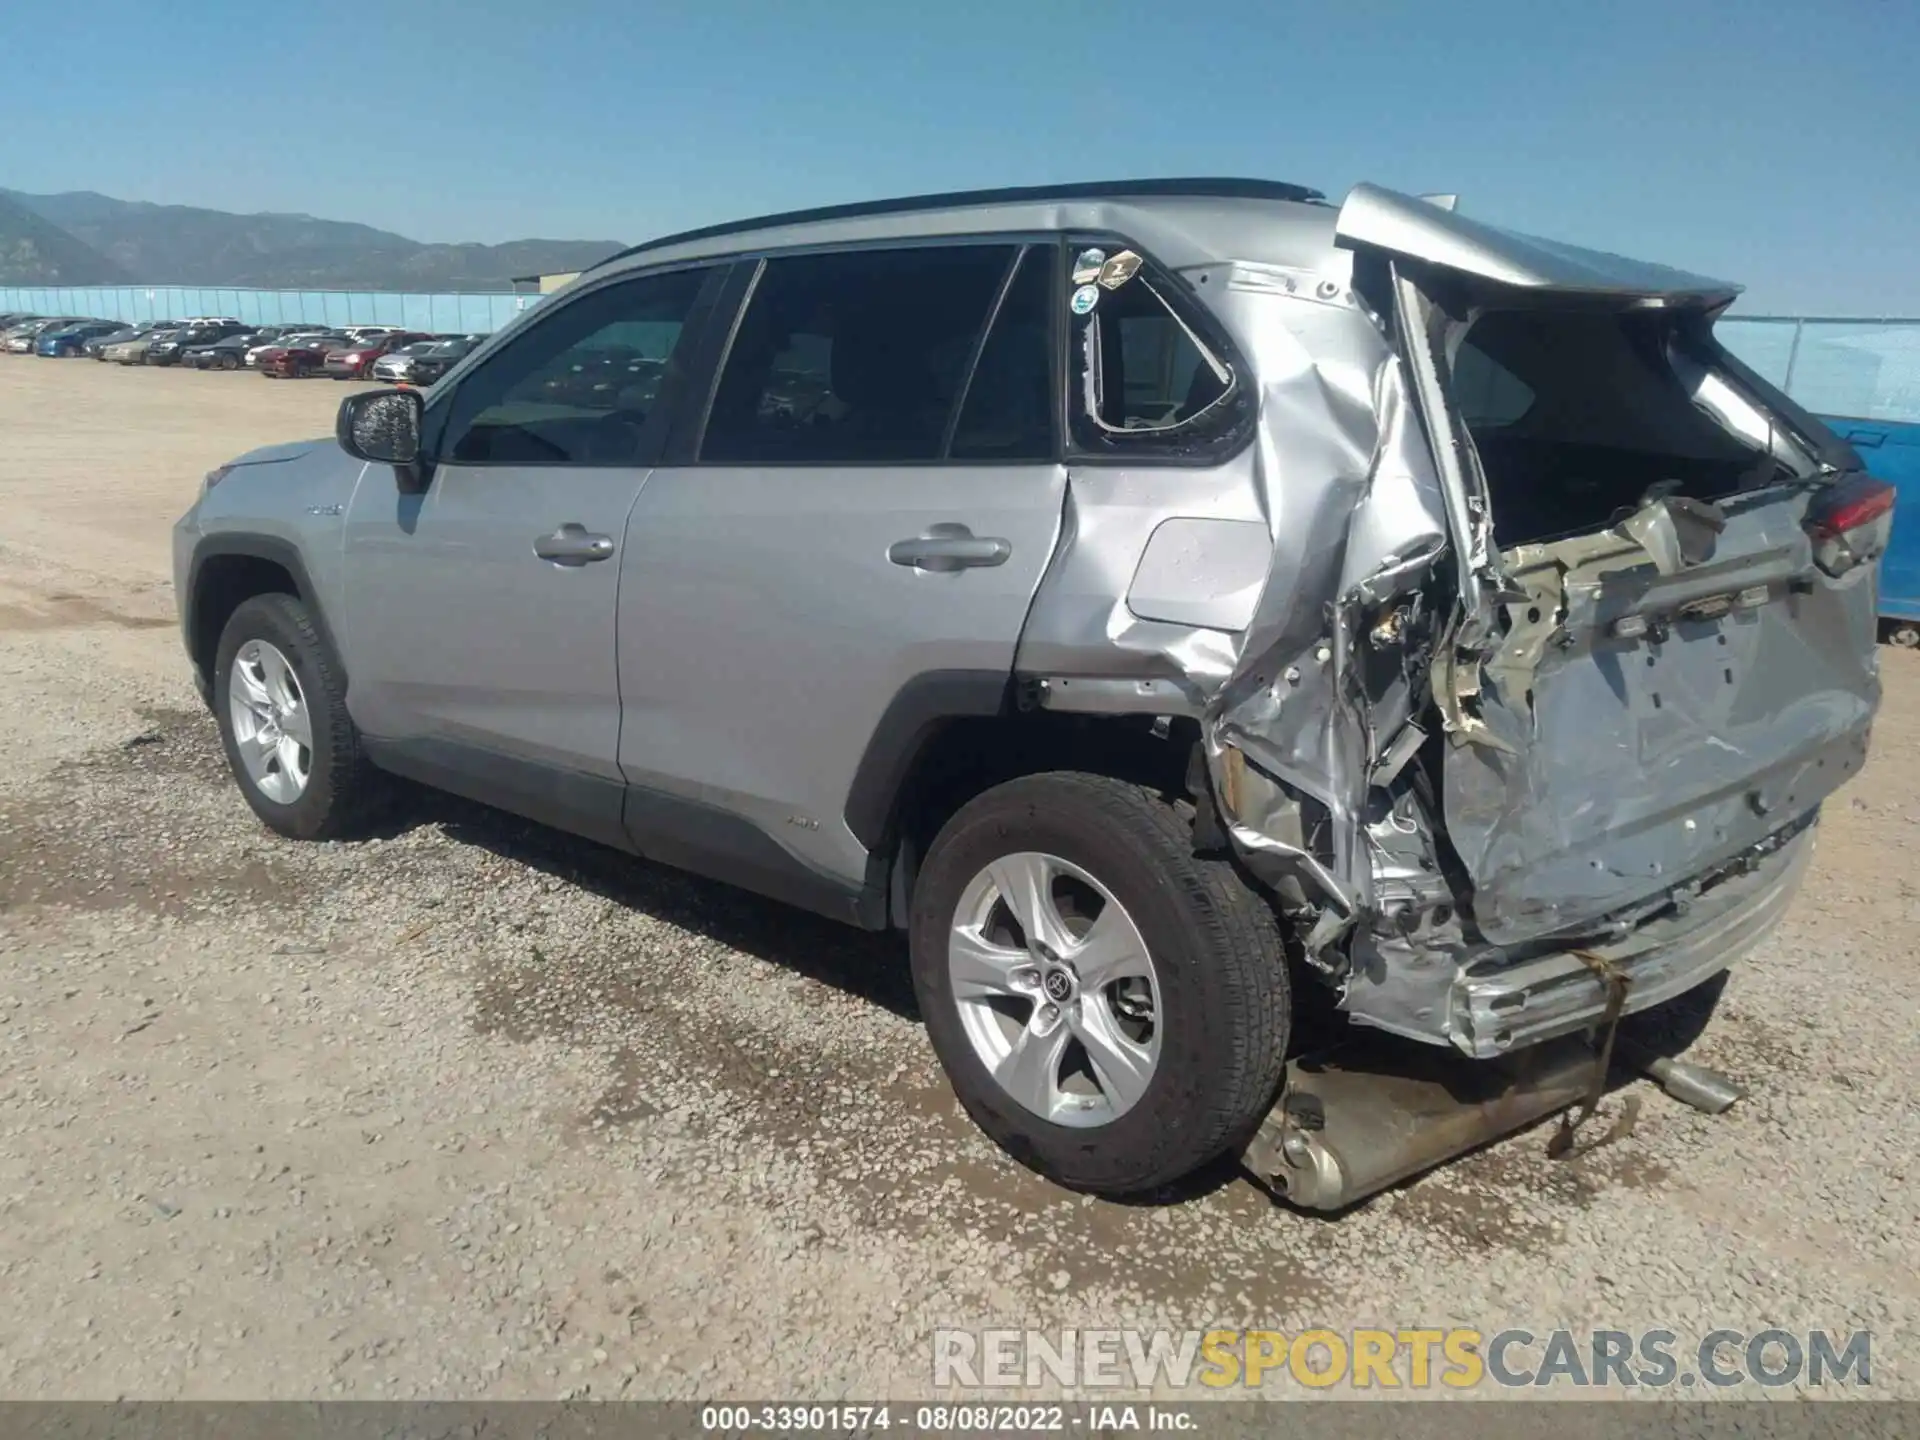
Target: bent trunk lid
[(1600, 769), (1626, 715)]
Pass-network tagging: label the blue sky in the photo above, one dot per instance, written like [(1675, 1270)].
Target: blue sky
[(1774, 144)]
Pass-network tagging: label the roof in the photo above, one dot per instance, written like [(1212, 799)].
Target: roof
[(1184, 221)]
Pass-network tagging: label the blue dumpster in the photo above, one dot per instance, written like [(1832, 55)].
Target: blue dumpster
[(1891, 450)]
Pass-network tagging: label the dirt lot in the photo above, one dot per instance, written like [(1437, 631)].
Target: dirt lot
[(472, 1109)]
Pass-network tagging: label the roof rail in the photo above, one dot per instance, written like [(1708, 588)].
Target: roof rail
[(1217, 187)]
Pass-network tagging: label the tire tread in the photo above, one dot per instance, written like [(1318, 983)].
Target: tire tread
[(343, 794), (1241, 945)]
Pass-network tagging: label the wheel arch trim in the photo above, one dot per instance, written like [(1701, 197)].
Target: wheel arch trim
[(249, 545)]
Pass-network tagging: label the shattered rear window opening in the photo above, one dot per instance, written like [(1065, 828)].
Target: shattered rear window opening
[(1151, 376), (1578, 418)]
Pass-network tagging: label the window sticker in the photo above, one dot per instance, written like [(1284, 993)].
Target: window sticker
[(1116, 272)]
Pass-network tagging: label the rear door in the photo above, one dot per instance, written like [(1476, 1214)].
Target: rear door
[(853, 541), (1632, 706)]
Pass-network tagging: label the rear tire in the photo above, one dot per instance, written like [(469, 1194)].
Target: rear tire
[(1128, 1112), (321, 789)]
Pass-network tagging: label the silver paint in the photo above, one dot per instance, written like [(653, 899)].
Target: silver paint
[(747, 634)]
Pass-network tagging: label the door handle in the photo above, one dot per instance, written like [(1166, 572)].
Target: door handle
[(571, 544), (949, 546)]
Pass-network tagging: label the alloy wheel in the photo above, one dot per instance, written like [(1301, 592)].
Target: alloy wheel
[(272, 729), (1055, 989)]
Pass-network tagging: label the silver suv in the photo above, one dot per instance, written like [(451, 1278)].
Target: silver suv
[(1159, 599)]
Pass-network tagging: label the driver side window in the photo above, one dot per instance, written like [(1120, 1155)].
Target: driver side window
[(579, 386)]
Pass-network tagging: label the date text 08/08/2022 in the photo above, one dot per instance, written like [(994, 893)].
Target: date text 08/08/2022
[(950, 1419)]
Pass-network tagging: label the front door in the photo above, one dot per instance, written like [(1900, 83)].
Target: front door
[(481, 614), (870, 509)]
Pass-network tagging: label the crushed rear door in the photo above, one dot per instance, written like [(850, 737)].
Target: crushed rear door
[(1636, 706)]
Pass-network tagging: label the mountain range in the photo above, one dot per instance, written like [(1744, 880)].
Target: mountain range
[(82, 238)]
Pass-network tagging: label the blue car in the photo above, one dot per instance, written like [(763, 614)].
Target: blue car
[(71, 340)]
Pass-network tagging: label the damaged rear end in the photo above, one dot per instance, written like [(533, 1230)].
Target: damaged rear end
[(1556, 751)]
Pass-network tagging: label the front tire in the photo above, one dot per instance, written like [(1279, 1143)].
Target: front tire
[(1112, 1009), (280, 700)]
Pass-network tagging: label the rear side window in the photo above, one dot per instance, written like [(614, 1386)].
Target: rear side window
[(864, 356), (1008, 412), (1153, 375)]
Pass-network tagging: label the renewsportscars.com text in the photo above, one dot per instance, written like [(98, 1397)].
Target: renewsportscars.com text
[(1416, 1359)]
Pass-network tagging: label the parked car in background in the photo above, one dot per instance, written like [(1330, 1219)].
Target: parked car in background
[(70, 341), (436, 360), (23, 337), (396, 366), (11, 318), (133, 351), (355, 362), (97, 347), (296, 335), (227, 353), (215, 354), (301, 356), (166, 352)]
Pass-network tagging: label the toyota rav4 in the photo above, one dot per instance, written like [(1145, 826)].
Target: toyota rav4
[(1153, 598)]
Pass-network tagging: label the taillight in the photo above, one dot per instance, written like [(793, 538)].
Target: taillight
[(1851, 522)]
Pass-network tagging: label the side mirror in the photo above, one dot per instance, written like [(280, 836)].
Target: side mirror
[(381, 426)]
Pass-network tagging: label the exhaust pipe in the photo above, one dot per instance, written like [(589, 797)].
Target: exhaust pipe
[(1699, 1086), (1354, 1120)]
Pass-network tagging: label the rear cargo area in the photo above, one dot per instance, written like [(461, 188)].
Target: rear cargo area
[(1670, 682), (1577, 416)]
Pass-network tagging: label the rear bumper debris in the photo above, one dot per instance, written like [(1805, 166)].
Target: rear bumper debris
[(1498, 1006)]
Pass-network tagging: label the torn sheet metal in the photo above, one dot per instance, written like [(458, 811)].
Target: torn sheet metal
[(1448, 763), (1343, 488), (1355, 511), (1340, 483), (1427, 334), (1414, 229), (1647, 721)]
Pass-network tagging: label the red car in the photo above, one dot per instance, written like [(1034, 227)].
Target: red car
[(356, 361), (303, 358)]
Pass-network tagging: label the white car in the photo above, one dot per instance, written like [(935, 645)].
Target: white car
[(398, 366)]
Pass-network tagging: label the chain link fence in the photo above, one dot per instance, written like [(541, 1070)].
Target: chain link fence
[(1856, 369), (443, 313)]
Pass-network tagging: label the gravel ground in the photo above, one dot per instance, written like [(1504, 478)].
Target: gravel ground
[(472, 1109)]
